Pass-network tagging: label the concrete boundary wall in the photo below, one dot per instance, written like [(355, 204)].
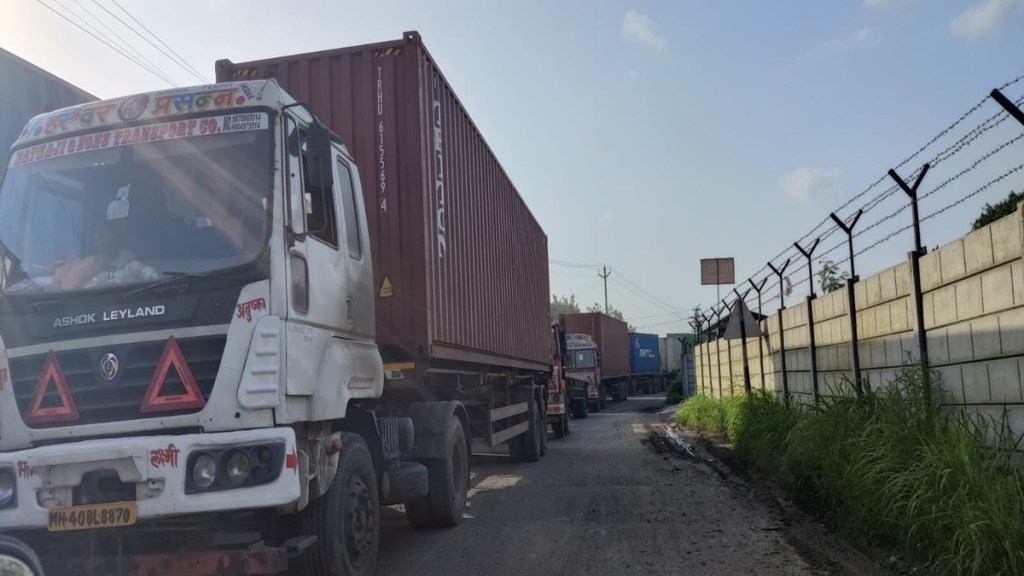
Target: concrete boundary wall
[(973, 307)]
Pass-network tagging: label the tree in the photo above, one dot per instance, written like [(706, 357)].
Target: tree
[(563, 305), (992, 212), (830, 277)]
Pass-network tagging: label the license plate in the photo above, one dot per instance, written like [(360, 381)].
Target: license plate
[(93, 516)]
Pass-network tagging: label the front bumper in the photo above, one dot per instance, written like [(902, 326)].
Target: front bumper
[(47, 477)]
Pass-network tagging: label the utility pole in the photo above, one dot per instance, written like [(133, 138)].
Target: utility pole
[(604, 276)]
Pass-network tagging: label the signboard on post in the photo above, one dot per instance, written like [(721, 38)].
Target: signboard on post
[(717, 271)]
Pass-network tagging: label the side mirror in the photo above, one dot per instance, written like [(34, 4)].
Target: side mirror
[(319, 156)]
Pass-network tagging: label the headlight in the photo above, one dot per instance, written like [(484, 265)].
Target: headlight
[(7, 485), (204, 471), (233, 467), (237, 468)]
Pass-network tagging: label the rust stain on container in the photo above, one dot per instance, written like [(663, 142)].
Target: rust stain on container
[(458, 254), (611, 335)]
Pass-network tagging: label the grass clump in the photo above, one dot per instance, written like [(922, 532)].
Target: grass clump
[(889, 468), (703, 414)]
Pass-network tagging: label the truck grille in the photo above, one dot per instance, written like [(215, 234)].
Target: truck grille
[(100, 401)]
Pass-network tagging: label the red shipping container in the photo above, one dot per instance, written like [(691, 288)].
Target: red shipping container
[(612, 337), (460, 263)]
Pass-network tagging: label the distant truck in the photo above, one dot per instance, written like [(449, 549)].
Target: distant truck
[(644, 364), (611, 341), (670, 356), (581, 365), (567, 393)]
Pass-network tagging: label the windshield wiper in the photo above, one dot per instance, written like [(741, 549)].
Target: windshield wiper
[(174, 277)]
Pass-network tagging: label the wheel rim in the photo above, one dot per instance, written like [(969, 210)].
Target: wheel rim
[(360, 523)]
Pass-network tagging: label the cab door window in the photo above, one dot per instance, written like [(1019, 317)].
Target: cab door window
[(349, 213), (317, 201)]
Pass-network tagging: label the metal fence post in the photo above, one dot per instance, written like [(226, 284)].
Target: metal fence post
[(810, 315), (743, 342), (764, 333), (915, 265), (728, 355), (707, 349), (718, 349), (782, 332), (1007, 105), (851, 301)]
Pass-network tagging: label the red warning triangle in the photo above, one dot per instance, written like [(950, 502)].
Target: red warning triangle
[(192, 398), (67, 411)]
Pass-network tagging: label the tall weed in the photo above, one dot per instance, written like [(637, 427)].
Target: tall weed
[(890, 468)]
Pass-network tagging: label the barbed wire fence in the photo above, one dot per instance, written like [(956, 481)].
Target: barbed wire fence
[(972, 160)]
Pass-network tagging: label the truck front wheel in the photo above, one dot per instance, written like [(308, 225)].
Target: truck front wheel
[(449, 483), (346, 520)]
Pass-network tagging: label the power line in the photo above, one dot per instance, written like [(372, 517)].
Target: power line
[(104, 42), (148, 41), (181, 59), (120, 42), (636, 287)]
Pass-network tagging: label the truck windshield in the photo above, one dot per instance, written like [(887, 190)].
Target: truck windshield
[(583, 359), (129, 205)]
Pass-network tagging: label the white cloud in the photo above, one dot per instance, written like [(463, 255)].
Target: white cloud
[(886, 4), (983, 18), (809, 183), (861, 36), (639, 29)]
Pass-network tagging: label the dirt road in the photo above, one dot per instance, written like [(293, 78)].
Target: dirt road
[(603, 502)]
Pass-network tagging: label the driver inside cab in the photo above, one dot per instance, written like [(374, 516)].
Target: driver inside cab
[(113, 262)]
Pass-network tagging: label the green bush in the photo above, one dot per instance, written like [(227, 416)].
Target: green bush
[(889, 468), (703, 414), (675, 391), (735, 413)]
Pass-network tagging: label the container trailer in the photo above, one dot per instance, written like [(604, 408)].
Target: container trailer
[(26, 91), (644, 364)]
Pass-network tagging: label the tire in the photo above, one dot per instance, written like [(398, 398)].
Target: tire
[(10, 546), (602, 399), (448, 484), (532, 447), (580, 408), (543, 428), (346, 519), (527, 446), (561, 425)]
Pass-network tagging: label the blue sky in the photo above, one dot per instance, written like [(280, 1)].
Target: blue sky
[(646, 134)]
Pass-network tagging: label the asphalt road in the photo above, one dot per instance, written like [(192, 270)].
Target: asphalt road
[(601, 502)]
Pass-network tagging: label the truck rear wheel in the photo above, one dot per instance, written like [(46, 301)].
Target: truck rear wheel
[(542, 413), (561, 426), (449, 483), (579, 408), (527, 446), (346, 519)]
